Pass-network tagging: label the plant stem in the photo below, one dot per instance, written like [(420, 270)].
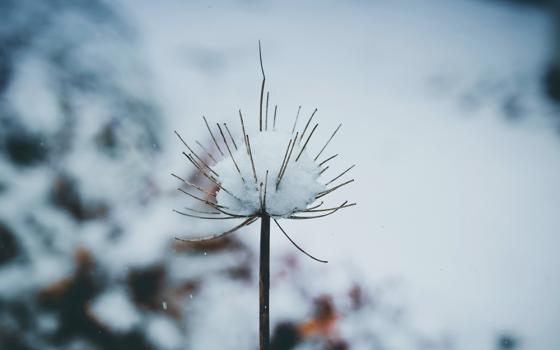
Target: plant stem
[(264, 284)]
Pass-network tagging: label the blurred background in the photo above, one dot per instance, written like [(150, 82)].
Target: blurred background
[(451, 109)]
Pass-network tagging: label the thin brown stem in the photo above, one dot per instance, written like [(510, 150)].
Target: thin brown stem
[(295, 122), (230, 136), (307, 125), (247, 222), (262, 88), (212, 135), (326, 144), (230, 153), (264, 284), (306, 142), (297, 246), (326, 160)]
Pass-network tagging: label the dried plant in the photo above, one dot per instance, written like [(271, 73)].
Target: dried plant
[(263, 175)]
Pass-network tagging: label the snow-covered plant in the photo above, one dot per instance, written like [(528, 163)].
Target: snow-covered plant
[(268, 174)]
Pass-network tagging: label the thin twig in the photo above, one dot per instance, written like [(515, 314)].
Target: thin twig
[(297, 246), (194, 153), (287, 161), (205, 217), (251, 157), (306, 142), (274, 121), (283, 161), (231, 136), (230, 154), (265, 186), (336, 178), (328, 209), (318, 216), (266, 113), (206, 151), (307, 125), (295, 122), (262, 87), (247, 222), (203, 211), (212, 135), (324, 193), (326, 160), (326, 144)]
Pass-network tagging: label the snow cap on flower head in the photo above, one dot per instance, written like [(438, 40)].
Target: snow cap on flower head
[(263, 173)]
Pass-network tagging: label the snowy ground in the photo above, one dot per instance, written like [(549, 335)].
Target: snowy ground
[(458, 154)]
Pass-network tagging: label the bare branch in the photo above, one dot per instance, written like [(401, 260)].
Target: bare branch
[(206, 151), (274, 122)]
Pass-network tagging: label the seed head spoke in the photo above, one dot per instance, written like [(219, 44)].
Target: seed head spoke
[(247, 222)]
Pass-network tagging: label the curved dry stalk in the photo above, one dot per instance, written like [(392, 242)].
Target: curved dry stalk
[(328, 209), (211, 204), (262, 88), (247, 222), (297, 246), (202, 211), (341, 174), (318, 216), (315, 206), (326, 144), (207, 217)]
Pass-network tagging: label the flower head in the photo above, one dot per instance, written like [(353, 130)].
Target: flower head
[(264, 173)]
